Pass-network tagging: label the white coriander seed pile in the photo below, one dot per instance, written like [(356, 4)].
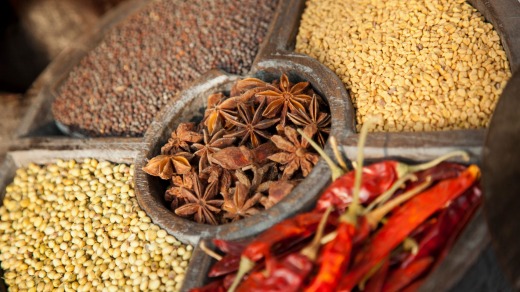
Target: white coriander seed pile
[(417, 65), (77, 227)]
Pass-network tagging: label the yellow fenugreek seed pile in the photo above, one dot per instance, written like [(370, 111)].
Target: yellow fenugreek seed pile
[(416, 65), (77, 227)]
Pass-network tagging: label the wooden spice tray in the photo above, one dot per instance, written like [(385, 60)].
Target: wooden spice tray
[(39, 140)]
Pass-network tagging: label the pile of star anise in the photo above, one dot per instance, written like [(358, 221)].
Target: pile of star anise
[(246, 154)]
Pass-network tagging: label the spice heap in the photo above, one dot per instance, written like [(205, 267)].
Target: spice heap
[(78, 227), (381, 227), (418, 65), (245, 155), (142, 63)]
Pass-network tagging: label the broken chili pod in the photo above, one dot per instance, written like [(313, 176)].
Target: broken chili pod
[(406, 219), (402, 277)]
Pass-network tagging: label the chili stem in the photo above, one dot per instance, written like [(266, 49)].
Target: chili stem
[(208, 251), (311, 251), (353, 209), (336, 170), (328, 238), (375, 216), (245, 266), (369, 275), (434, 162), (411, 245), (339, 157), (383, 198)]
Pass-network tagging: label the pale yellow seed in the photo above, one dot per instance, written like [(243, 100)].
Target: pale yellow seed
[(86, 230)]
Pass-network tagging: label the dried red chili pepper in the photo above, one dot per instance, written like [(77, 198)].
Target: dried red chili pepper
[(376, 282), (414, 286), (400, 278), (229, 263), (448, 225), (215, 286), (301, 226), (288, 275), (334, 259), (378, 177), (406, 219)]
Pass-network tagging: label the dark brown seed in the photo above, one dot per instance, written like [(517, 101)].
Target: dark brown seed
[(118, 88)]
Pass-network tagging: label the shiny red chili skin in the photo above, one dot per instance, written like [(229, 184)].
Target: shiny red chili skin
[(403, 221), (377, 281), (450, 222), (333, 260), (402, 277), (287, 275), (377, 178), (300, 226)]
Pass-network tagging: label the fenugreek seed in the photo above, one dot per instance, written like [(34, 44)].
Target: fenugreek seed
[(418, 74)]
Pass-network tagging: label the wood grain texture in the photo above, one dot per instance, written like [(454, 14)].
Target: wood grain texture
[(501, 174), (190, 107), (276, 55)]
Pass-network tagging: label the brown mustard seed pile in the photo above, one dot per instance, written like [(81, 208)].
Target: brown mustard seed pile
[(246, 155), (417, 65), (118, 88), (77, 227)]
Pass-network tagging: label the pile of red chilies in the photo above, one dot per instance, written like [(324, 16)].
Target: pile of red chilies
[(384, 234)]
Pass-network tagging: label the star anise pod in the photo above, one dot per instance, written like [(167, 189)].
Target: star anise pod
[(277, 191), (201, 203), (295, 154), (211, 145), (252, 126), (238, 204), (315, 118), (284, 98), (232, 158), (247, 84), (165, 166), (178, 183), (219, 109), (180, 139)]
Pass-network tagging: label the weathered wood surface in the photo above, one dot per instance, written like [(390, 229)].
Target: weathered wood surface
[(276, 55)]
